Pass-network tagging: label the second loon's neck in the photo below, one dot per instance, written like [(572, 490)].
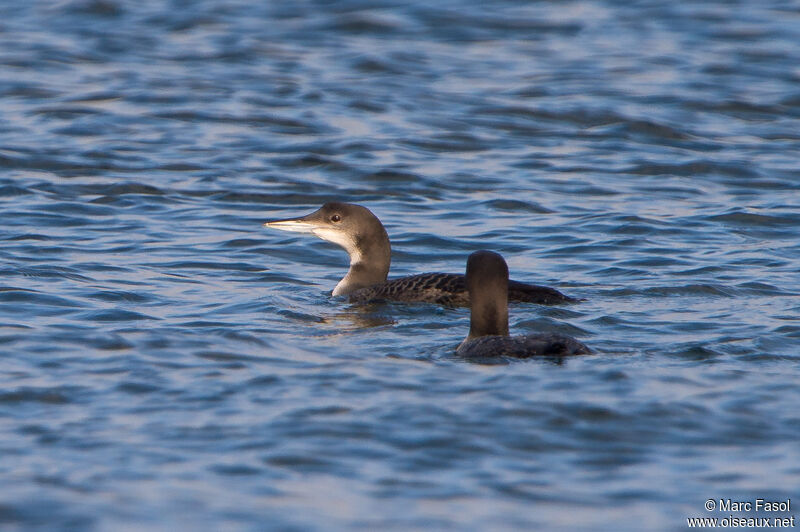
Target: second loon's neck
[(487, 283), (488, 318), (370, 258)]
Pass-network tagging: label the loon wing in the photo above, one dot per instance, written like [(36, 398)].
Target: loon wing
[(447, 289), (533, 345), (532, 293), (450, 289)]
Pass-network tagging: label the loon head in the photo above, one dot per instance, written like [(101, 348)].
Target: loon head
[(487, 282), (358, 231)]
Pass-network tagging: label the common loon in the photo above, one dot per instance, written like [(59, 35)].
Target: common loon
[(363, 236), (487, 280)]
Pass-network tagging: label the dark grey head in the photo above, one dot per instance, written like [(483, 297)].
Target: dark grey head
[(354, 228), (487, 282)]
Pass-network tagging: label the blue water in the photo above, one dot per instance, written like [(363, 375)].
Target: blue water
[(166, 363)]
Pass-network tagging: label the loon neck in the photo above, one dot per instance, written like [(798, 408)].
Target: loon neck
[(487, 282), (488, 318), (370, 258), (360, 275)]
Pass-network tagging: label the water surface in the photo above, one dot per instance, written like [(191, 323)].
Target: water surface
[(166, 362)]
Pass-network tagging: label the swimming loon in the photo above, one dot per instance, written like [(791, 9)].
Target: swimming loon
[(487, 279), (363, 236)]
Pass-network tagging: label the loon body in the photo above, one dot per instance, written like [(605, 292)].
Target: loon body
[(487, 280), (363, 236)]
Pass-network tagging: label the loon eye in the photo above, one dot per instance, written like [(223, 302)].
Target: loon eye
[(336, 218)]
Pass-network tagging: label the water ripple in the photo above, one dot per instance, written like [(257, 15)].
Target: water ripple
[(162, 351)]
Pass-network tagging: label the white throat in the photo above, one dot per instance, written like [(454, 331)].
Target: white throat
[(342, 239), (349, 244)]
